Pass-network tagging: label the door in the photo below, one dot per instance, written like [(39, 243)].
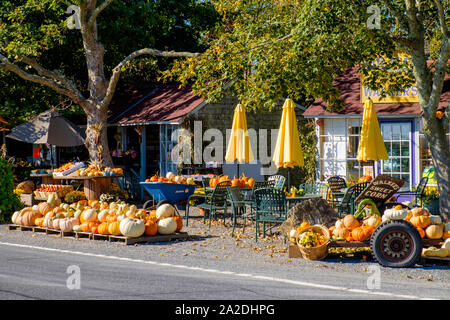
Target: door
[(397, 138), (168, 140)]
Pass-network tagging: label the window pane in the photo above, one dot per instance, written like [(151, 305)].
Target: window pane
[(395, 149), (396, 135), (405, 149), (405, 165)]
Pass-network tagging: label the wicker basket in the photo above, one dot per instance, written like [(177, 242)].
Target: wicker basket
[(315, 253)]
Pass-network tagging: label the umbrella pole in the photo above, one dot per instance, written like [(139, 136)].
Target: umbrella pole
[(289, 179)]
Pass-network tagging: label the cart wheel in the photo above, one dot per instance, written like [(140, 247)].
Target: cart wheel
[(147, 204), (396, 244), (164, 202)]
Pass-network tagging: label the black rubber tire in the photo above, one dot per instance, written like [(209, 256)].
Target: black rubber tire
[(396, 244)]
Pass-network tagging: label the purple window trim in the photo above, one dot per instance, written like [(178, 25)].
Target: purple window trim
[(413, 144)]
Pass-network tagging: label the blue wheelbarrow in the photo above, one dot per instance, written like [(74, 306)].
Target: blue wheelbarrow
[(162, 192)]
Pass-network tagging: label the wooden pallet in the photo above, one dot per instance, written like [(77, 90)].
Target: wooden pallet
[(149, 239)]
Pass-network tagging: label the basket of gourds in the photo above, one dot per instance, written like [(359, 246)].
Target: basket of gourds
[(313, 242)]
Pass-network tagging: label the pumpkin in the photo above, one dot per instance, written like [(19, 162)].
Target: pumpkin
[(114, 228), (29, 217), (213, 182), (419, 212), (48, 223), (434, 219), (132, 228), (179, 222), (422, 232), (293, 234), (224, 179), (350, 222), (167, 226), (94, 204), (67, 224), (420, 221), (446, 235), (15, 216), (165, 211), (331, 229), (393, 214), (439, 114), (44, 207), (251, 182), (56, 223), (170, 175), (361, 233), (151, 228), (102, 215), (373, 220), (103, 228), (89, 215), (339, 224), (446, 245), (87, 226), (236, 182), (39, 221), (434, 231), (341, 232), (94, 228)]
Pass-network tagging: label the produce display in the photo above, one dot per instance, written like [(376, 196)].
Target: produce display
[(45, 189), (79, 169), (115, 218), (242, 182), (171, 178), (68, 168), (311, 239)]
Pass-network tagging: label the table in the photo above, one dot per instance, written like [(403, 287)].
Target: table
[(93, 186)]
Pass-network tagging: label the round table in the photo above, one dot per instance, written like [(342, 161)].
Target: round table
[(93, 186)]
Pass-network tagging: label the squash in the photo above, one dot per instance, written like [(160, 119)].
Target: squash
[(103, 228), (434, 231), (420, 221), (393, 214), (89, 215), (102, 215), (14, 217), (446, 245), (341, 232), (29, 217), (44, 207), (419, 212), (170, 175), (374, 220), (165, 211), (435, 252), (132, 228), (293, 234), (179, 222), (435, 219), (67, 224), (167, 226), (422, 232)]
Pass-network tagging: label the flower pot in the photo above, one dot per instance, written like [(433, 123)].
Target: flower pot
[(432, 207)]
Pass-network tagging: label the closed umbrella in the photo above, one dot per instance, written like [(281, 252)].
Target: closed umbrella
[(371, 145), (288, 150), (239, 148)]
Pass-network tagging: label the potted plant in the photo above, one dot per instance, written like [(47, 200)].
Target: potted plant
[(430, 199)]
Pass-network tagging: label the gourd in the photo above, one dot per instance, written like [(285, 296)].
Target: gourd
[(374, 220), (170, 175), (419, 212), (67, 224), (89, 215), (167, 226), (434, 231), (360, 212), (434, 219), (14, 218), (102, 215), (132, 228), (44, 207), (103, 228), (341, 232), (393, 214), (420, 221), (28, 217), (435, 252), (165, 211)]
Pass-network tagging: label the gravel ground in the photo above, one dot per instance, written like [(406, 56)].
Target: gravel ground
[(215, 247)]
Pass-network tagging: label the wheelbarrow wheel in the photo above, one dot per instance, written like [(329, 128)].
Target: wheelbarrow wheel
[(149, 204), (396, 244)]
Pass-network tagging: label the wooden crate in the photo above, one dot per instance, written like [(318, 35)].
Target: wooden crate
[(149, 239), (294, 251)]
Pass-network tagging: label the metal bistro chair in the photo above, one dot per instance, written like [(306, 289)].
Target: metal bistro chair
[(418, 193), (239, 207), (347, 203), (336, 183), (213, 202), (271, 207)]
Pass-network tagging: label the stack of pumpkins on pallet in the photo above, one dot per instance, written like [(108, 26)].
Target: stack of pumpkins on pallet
[(115, 218)]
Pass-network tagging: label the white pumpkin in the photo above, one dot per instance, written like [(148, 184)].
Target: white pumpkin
[(56, 223), (132, 228), (90, 215), (76, 228), (77, 214), (170, 175), (15, 216), (339, 224), (178, 179), (392, 214), (165, 211), (293, 235), (35, 207), (374, 220), (434, 231), (446, 245), (48, 223), (67, 224), (434, 219), (167, 226), (102, 215)]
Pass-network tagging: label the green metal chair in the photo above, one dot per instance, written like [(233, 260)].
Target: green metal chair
[(336, 184), (278, 181), (271, 207), (213, 202), (240, 207)]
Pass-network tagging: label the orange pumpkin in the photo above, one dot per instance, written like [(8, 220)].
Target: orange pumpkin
[(251, 182), (223, 179), (350, 222), (154, 178), (244, 178), (422, 232), (179, 223), (103, 228), (151, 228), (439, 114), (359, 234), (420, 221), (86, 226), (213, 182), (94, 229), (236, 182)]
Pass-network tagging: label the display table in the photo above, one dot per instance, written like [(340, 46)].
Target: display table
[(93, 186)]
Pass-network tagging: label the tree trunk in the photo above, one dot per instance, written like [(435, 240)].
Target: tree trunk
[(435, 135), (97, 138)]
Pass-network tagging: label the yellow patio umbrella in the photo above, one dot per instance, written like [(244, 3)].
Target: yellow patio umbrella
[(371, 145), (239, 148), (288, 150)]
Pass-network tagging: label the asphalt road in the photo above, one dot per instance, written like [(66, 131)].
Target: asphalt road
[(44, 272)]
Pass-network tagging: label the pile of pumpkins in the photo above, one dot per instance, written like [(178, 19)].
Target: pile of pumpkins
[(115, 218), (429, 226), (242, 182), (171, 178)]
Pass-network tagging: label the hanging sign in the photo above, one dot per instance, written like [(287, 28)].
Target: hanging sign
[(407, 94)]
